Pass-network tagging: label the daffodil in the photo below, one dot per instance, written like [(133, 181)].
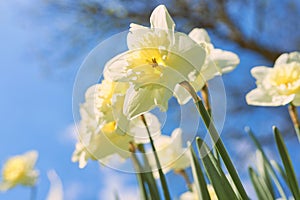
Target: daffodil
[(19, 170), (192, 195), (104, 130), (157, 60), (217, 62), (171, 153), (279, 85)]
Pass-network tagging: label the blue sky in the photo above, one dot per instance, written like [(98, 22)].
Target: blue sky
[(37, 113)]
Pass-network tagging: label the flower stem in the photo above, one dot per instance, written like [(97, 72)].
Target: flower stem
[(205, 97), (215, 137), (295, 119), (153, 189), (33, 192), (161, 174), (139, 172)]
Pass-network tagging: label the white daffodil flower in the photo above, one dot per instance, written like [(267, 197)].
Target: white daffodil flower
[(104, 130), (157, 60), (19, 170), (171, 154), (217, 62), (279, 85)]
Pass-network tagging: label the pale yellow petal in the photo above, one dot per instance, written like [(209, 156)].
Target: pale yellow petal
[(259, 97), (161, 19), (199, 35)]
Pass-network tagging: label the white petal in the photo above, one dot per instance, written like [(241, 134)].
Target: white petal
[(144, 99), (188, 49), (31, 158), (260, 72), (181, 95), (161, 19), (225, 60), (116, 68), (259, 97), (296, 100), (287, 58), (209, 71), (176, 137), (199, 35)]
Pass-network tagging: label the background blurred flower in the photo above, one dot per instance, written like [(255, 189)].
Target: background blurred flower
[(192, 195), (171, 154), (56, 188), (19, 170), (279, 85)]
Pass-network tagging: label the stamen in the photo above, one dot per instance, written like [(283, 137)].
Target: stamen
[(154, 62)]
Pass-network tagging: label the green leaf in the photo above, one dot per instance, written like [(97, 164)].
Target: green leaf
[(148, 175), (260, 186), (279, 169), (221, 149), (287, 163), (216, 175), (140, 176), (162, 177), (263, 172), (268, 164), (216, 139), (198, 175)]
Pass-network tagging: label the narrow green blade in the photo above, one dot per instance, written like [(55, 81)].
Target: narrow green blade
[(287, 163), (263, 172), (198, 175), (216, 175), (260, 186), (268, 164)]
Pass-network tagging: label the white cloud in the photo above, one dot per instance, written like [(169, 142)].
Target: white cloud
[(73, 190), (117, 183), (69, 134)]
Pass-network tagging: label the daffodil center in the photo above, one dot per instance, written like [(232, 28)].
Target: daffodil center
[(14, 169), (154, 62), (286, 78)]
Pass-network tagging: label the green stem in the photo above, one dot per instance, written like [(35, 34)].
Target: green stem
[(295, 119), (33, 192), (217, 140), (205, 97), (139, 172), (153, 189), (161, 174)]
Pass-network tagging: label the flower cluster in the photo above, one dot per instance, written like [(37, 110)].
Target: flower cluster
[(145, 76)]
